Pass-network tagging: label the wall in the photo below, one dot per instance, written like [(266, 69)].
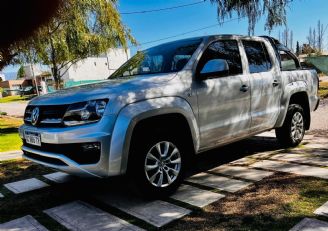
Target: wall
[(96, 68)]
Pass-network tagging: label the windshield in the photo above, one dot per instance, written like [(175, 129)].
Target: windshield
[(170, 57)]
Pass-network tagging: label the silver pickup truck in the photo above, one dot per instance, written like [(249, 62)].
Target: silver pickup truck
[(168, 103)]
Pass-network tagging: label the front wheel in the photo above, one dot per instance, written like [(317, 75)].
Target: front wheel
[(292, 132), (157, 166)]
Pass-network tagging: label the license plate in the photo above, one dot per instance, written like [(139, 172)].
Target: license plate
[(33, 138)]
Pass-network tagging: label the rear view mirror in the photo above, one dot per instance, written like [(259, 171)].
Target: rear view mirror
[(214, 68)]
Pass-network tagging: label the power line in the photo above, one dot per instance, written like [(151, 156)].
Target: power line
[(162, 9), (187, 32)]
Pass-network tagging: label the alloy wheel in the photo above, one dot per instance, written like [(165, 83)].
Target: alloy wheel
[(297, 126), (162, 164)]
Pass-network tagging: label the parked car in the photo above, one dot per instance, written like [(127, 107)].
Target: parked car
[(169, 103), (29, 90)]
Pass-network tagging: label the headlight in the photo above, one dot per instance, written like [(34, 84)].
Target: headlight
[(85, 112)]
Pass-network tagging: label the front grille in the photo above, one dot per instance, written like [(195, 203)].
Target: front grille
[(44, 159), (50, 116), (75, 152)]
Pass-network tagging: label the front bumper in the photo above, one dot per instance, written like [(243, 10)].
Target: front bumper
[(59, 138)]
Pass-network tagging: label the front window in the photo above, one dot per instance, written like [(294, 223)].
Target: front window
[(226, 50), (166, 58)]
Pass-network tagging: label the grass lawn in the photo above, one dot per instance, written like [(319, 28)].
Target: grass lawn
[(276, 203), (15, 98), (323, 90), (9, 138)]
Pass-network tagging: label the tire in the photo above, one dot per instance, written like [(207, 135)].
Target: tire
[(144, 177), (292, 132)]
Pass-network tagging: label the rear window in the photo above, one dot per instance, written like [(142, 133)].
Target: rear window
[(258, 56)]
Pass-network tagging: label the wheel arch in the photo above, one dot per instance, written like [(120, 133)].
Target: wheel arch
[(148, 112), (297, 96)]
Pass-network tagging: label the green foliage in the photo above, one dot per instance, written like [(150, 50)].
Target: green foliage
[(14, 98), (298, 49), (81, 28), (21, 72), (275, 11), (323, 90)]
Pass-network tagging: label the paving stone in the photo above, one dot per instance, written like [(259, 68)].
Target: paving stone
[(195, 196), (308, 224), (80, 216), (303, 170), (25, 185), (323, 210), (242, 172), (27, 223), (59, 177), (218, 182), (158, 213), (302, 159), (243, 161)]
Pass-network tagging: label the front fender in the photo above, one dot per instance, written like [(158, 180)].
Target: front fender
[(131, 114), (290, 89)]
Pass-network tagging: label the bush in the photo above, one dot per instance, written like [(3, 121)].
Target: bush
[(3, 113)]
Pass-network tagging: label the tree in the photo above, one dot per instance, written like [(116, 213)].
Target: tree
[(287, 38), (81, 28), (312, 38), (321, 33), (32, 14), (298, 49), (275, 11), (21, 72), (291, 40)]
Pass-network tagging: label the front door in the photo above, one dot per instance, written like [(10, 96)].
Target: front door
[(223, 99)]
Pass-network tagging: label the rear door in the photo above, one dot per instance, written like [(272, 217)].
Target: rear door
[(223, 100), (265, 81)]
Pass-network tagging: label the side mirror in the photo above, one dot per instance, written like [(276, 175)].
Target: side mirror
[(214, 68)]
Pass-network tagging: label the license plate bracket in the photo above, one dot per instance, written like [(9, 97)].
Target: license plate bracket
[(33, 138)]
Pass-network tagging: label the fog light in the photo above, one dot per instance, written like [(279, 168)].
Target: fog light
[(90, 147)]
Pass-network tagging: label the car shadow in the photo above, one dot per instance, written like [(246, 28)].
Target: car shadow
[(202, 162), (232, 152)]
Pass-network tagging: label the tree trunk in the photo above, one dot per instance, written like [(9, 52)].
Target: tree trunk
[(56, 76)]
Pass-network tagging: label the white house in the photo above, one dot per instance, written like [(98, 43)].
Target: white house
[(97, 68)]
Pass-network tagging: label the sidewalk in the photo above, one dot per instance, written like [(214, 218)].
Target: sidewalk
[(11, 155), (14, 109)]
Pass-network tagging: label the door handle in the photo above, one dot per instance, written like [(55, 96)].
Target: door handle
[(244, 88), (275, 83)]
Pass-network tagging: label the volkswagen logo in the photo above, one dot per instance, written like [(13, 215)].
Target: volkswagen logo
[(35, 116)]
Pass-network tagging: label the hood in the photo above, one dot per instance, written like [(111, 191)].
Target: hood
[(101, 90)]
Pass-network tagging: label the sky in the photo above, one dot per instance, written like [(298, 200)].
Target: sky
[(301, 15)]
